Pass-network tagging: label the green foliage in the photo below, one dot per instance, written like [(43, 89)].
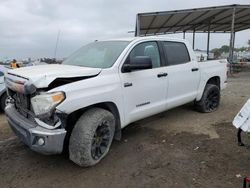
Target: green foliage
[(217, 52), (225, 48)]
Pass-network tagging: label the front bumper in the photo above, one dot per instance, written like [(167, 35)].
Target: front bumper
[(30, 133)]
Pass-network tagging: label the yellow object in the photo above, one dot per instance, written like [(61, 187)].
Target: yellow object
[(13, 64)]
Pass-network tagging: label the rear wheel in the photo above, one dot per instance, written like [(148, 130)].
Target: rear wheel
[(210, 100), (91, 137)]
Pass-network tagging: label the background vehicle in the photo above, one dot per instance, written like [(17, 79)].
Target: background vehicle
[(3, 94), (85, 102)]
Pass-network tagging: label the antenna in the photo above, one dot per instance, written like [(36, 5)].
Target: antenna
[(57, 39)]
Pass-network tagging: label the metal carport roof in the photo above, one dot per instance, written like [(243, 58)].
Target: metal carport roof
[(209, 19), (217, 19)]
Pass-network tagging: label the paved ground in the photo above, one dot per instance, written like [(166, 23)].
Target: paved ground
[(178, 148)]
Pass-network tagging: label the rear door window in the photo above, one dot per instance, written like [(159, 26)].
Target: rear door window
[(176, 53)]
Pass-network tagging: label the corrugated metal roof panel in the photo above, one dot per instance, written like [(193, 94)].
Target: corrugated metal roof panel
[(218, 19)]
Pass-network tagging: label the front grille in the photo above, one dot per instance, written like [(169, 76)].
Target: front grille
[(22, 103), (24, 108)]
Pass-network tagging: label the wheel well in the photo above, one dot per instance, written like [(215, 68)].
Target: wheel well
[(2, 94), (74, 116), (214, 80)]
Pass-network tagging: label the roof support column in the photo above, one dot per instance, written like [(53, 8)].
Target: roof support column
[(208, 40), (184, 34), (193, 39), (234, 40), (137, 26), (232, 36)]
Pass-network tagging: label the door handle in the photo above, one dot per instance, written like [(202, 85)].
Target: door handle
[(195, 69), (164, 74), (128, 84)]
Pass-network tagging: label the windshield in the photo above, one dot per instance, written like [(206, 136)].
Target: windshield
[(97, 54)]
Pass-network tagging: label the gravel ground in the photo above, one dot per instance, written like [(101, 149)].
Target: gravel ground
[(177, 148)]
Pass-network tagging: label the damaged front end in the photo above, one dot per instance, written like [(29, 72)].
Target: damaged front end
[(39, 104), (36, 105), (32, 108), (33, 116)]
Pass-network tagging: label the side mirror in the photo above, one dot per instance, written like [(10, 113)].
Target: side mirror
[(137, 63)]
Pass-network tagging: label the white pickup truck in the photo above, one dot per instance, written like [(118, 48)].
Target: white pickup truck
[(81, 105)]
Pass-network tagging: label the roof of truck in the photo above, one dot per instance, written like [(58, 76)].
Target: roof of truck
[(155, 37)]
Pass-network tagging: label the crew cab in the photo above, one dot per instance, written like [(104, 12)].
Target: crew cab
[(81, 105)]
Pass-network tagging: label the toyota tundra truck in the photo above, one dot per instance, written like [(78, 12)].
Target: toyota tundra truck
[(81, 105)]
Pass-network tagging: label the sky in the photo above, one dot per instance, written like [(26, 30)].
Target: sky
[(29, 28)]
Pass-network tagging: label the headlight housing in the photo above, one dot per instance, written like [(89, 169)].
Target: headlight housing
[(45, 103)]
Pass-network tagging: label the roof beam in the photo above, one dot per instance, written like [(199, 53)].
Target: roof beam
[(202, 26), (209, 19), (229, 24), (247, 20), (241, 28), (242, 16), (150, 24), (194, 10), (223, 25), (163, 33), (172, 26), (198, 17), (183, 20), (218, 20), (167, 20), (228, 16)]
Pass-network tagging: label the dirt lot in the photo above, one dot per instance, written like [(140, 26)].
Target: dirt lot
[(178, 148)]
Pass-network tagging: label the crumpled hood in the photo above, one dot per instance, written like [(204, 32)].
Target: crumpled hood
[(41, 76)]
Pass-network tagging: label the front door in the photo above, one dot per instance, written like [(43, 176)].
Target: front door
[(144, 90)]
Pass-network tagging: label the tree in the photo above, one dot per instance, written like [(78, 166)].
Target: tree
[(224, 48), (216, 52)]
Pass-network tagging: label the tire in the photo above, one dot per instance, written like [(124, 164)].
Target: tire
[(210, 99), (3, 101), (91, 137)]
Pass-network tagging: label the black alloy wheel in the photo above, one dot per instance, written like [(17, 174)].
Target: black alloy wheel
[(100, 141), (212, 100)]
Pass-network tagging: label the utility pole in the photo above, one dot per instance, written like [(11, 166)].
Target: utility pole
[(57, 40)]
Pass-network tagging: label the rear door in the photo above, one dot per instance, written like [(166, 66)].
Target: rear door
[(183, 74), (145, 90)]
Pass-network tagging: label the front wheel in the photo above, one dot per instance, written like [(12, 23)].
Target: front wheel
[(210, 100), (91, 137)]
